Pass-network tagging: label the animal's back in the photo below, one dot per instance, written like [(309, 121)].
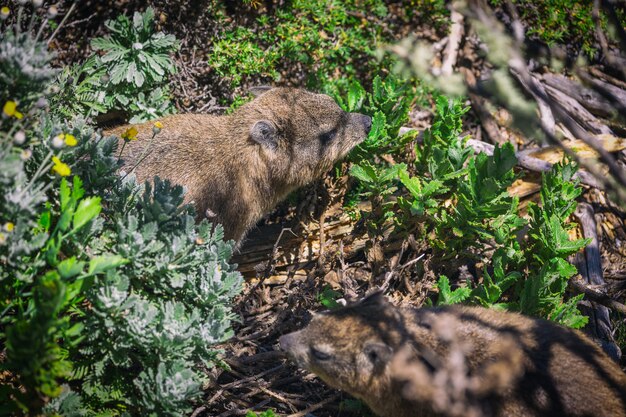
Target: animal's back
[(237, 167)]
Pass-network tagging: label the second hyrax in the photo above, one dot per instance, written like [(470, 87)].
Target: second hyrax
[(237, 167), (458, 361)]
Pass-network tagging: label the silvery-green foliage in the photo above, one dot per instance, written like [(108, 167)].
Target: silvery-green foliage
[(24, 65), (130, 74), (19, 203), (137, 63), (112, 298), (154, 320), (134, 54)]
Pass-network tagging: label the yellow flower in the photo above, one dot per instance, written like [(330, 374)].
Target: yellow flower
[(70, 140), (158, 125), (10, 109), (130, 134), (60, 168), (4, 12), (156, 128), (9, 226)]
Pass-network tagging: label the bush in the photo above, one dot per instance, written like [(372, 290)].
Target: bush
[(111, 297), (319, 41), (459, 203), (130, 75), (560, 22)]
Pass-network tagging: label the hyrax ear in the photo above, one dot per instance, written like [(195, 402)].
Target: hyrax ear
[(259, 89), (375, 299), (264, 133), (378, 354)]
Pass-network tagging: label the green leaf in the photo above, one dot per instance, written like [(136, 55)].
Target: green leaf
[(112, 56), (105, 44), (365, 173), (412, 184), (118, 73), (87, 209), (104, 263), (563, 245), (45, 219), (64, 194), (378, 129), (70, 267), (447, 296), (356, 96)]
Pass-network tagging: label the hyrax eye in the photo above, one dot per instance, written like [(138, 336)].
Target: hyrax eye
[(328, 136), (319, 355)]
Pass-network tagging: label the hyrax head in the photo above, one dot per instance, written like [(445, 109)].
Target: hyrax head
[(350, 348), (300, 134)]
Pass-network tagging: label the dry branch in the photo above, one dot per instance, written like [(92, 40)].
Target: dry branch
[(525, 160), (545, 113), (581, 115), (579, 285), (588, 98), (600, 325), (454, 40)]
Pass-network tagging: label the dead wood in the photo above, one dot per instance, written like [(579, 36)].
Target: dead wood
[(616, 95), (581, 115), (545, 113), (587, 97), (454, 40), (599, 326)]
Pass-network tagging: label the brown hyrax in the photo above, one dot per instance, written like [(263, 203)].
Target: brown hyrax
[(237, 167), (458, 361)]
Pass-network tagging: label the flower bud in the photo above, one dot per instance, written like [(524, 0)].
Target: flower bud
[(19, 138), (58, 141), (53, 11)]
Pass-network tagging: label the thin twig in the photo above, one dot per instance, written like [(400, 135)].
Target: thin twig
[(315, 406), (69, 12), (579, 285)]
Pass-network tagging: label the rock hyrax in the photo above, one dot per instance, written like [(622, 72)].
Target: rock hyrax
[(458, 361), (237, 167)]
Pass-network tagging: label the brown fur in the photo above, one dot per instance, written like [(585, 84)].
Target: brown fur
[(492, 363), (237, 167)]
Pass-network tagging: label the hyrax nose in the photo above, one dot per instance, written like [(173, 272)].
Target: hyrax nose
[(367, 122)]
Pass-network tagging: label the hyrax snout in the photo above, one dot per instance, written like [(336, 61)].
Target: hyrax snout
[(458, 361), (237, 167)]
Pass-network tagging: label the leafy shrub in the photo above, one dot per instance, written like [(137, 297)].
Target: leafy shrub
[(459, 203), (560, 22), (388, 104), (111, 297), (324, 40), (129, 75)]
